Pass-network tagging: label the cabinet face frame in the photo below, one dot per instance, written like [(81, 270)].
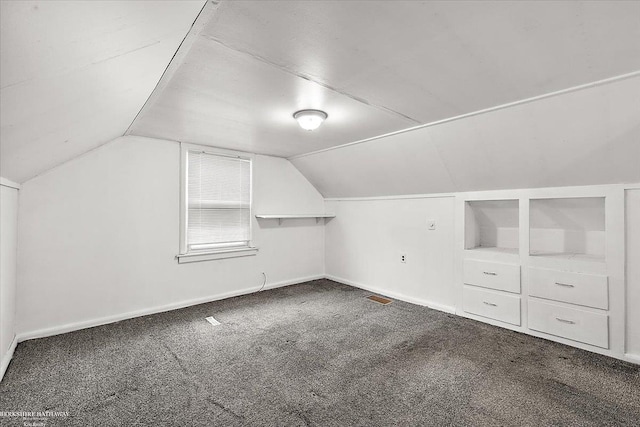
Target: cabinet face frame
[(612, 266)]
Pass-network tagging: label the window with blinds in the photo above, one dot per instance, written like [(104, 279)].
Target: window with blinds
[(218, 198)]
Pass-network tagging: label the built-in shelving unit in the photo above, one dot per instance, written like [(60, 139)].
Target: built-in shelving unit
[(492, 226), (546, 262), (568, 228), (281, 217)]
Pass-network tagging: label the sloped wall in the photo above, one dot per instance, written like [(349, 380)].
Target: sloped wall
[(98, 237), (76, 73), (589, 136)]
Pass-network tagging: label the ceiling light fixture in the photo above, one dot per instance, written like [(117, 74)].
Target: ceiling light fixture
[(310, 119)]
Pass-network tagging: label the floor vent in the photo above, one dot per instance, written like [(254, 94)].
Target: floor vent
[(211, 320), (378, 299)]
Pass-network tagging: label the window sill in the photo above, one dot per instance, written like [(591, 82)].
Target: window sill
[(211, 255)]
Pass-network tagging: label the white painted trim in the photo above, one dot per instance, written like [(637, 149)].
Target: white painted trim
[(185, 147), (535, 192), (394, 295), (542, 192), (6, 358), (521, 329), (209, 256), (293, 216), (478, 112), (70, 327), (399, 197), (632, 358), (548, 337), (8, 183)]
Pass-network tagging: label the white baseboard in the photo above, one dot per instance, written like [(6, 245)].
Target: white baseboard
[(6, 358), (632, 358), (75, 326), (56, 330), (394, 295)]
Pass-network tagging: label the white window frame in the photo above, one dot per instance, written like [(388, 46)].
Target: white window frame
[(186, 256)]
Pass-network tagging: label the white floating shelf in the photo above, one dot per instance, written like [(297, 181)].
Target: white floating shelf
[(280, 217)]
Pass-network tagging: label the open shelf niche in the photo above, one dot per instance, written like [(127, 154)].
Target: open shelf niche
[(569, 228), (492, 225)]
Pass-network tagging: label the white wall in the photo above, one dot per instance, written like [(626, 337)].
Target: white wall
[(98, 237), (365, 240), (8, 250), (632, 216)]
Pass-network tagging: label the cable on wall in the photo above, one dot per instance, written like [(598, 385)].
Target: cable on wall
[(263, 283)]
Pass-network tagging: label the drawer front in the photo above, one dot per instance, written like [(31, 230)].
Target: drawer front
[(574, 324), (583, 289), (493, 275), (494, 305)]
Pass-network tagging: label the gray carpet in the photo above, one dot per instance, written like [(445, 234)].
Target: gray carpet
[(315, 354)]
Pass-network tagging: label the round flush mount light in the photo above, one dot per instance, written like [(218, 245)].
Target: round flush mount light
[(310, 119)]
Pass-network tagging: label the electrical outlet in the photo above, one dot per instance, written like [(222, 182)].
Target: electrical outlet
[(431, 224), (403, 258)]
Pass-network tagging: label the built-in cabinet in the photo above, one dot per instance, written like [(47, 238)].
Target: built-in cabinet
[(491, 271), (546, 262)]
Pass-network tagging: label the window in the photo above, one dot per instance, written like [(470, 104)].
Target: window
[(216, 205)]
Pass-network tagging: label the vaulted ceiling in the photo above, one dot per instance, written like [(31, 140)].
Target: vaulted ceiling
[(584, 137), (379, 66), (74, 74), (77, 74)]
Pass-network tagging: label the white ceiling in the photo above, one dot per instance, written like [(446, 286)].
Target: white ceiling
[(379, 66), (589, 136), (74, 74)]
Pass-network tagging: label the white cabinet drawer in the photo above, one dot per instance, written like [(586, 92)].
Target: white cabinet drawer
[(578, 325), (494, 305), (583, 289), (493, 275)]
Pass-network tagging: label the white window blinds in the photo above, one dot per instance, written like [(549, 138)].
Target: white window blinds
[(218, 201)]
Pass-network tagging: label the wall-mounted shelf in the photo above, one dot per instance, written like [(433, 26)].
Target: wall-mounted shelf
[(280, 217)]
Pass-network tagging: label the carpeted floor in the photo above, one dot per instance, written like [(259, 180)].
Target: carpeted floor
[(316, 354)]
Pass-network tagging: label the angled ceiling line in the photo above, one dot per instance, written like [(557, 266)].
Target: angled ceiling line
[(444, 164), (87, 153), (87, 65), (479, 112), (125, 53), (207, 12), (295, 73)]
